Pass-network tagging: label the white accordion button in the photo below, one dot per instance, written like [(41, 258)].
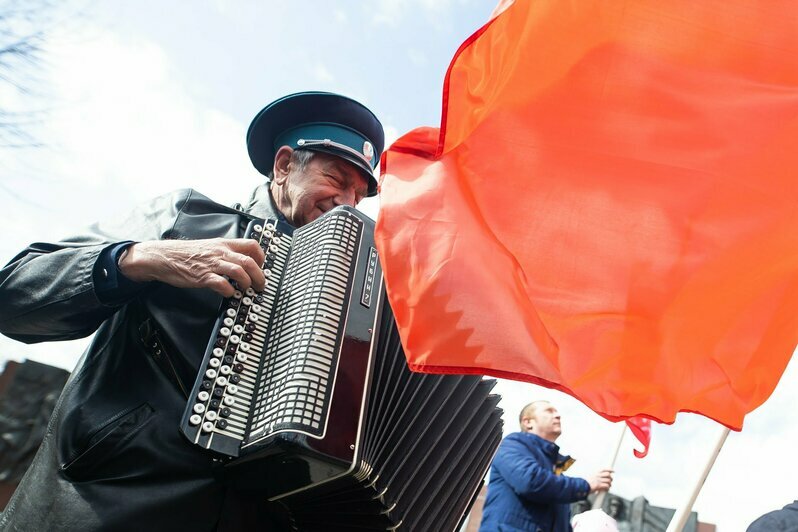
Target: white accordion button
[(238, 329), (246, 301), (231, 312), (250, 292), (232, 389), (222, 381), (203, 396), (267, 272), (228, 322), (224, 331), (242, 357), (229, 401), (243, 346), (195, 419), (211, 415), (234, 339), (274, 248), (256, 307), (211, 373), (225, 370), (237, 294), (253, 318), (258, 228), (214, 362), (218, 351), (270, 226), (199, 408), (207, 426)]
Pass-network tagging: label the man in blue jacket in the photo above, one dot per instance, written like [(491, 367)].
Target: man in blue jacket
[(527, 490)]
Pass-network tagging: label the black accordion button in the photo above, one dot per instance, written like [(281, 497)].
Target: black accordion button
[(235, 379), (238, 368), (247, 337), (221, 341), (222, 424), (225, 412), (227, 360), (218, 392), (249, 327), (214, 405), (206, 385), (234, 302)]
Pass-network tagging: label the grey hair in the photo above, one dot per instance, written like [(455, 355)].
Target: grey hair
[(300, 158)]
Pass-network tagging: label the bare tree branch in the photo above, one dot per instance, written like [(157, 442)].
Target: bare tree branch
[(24, 25)]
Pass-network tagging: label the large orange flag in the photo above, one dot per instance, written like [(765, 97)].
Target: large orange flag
[(610, 206)]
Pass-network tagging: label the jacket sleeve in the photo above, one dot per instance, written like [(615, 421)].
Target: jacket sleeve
[(533, 482), (48, 291)]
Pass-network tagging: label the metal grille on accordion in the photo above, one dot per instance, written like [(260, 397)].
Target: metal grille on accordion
[(305, 388)]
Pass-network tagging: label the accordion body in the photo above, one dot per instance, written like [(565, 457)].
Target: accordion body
[(304, 388)]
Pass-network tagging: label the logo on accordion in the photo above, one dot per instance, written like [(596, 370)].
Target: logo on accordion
[(368, 280)]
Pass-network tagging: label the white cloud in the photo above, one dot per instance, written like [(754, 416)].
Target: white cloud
[(322, 74), (340, 15), (125, 129), (392, 12), (417, 57)]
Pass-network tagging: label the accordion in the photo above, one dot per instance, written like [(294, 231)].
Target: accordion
[(304, 387)]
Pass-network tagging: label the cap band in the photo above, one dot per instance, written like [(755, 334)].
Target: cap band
[(330, 136)]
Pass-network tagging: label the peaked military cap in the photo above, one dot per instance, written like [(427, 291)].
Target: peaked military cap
[(319, 121)]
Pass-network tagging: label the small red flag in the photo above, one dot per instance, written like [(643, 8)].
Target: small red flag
[(641, 428)]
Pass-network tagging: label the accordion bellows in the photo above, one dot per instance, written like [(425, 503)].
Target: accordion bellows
[(305, 389)]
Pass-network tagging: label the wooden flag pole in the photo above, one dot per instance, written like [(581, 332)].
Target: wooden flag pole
[(599, 500), (683, 513)]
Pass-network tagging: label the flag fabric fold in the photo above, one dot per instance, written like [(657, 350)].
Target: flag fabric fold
[(609, 208)]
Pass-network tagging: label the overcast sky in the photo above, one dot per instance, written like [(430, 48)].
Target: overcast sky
[(140, 98)]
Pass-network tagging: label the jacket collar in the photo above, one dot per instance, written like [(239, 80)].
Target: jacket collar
[(561, 462), (261, 204)]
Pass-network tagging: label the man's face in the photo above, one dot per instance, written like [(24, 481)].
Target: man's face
[(325, 182), (545, 421)]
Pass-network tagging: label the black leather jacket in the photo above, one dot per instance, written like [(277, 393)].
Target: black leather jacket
[(112, 458)]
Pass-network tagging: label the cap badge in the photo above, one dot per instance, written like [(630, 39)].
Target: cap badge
[(368, 150)]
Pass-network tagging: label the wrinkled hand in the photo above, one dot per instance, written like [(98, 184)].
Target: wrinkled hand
[(197, 263), (601, 481)]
